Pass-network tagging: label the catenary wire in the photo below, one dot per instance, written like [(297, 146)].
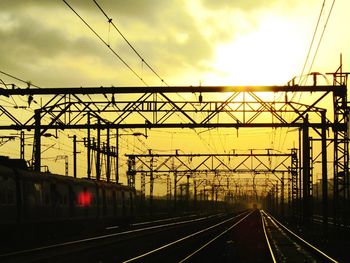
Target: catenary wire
[(312, 41), (110, 21), (105, 43), (316, 51), (319, 42)]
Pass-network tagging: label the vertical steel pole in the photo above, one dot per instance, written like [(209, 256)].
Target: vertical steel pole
[(151, 184), (195, 194), (88, 147), (175, 187), (98, 153), (276, 199), (66, 165), (108, 170), (300, 185), (22, 145), (324, 171), (306, 172), (37, 141), (282, 196), (117, 156), (75, 156)]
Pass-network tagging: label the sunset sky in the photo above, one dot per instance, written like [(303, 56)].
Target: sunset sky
[(187, 42), (197, 42)]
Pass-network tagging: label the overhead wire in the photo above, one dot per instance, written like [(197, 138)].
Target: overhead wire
[(30, 84), (312, 41), (105, 43), (19, 79), (28, 109), (111, 49), (316, 51), (322, 34), (5, 85), (110, 21)]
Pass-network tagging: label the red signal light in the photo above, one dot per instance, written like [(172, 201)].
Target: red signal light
[(84, 199)]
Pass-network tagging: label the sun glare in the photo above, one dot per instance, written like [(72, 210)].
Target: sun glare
[(271, 55)]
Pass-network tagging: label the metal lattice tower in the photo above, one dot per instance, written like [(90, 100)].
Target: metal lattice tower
[(168, 187), (341, 146), (143, 185), (131, 171), (294, 174)]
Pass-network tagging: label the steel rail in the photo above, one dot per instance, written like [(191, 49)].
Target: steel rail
[(300, 238), (184, 238), (215, 238), (85, 240), (267, 239)]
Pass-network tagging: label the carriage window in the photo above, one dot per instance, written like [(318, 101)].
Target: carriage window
[(37, 187)]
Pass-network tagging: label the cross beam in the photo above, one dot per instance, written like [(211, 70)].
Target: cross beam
[(162, 89), (191, 163)]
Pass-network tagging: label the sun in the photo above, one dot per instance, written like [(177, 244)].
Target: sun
[(272, 54)]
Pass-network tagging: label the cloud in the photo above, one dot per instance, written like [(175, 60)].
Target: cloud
[(42, 34), (30, 46)]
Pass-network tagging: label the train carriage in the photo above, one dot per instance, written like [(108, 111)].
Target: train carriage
[(32, 199), (8, 198), (85, 195), (108, 200), (31, 192)]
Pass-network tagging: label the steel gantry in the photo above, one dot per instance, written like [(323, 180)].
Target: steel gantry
[(258, 162), (160, 107), (195, 166), (68, 108)]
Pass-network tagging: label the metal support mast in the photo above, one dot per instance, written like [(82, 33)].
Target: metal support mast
[(131, 171), (324, 171), (22, 143), (341, 147), (307, 213), (295, 189), (37, 142)]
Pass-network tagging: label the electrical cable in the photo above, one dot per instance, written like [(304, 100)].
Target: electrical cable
[(319, 42), (111, 49), (312, 41), (315, 54), (110, 21), (21, 80), (105, 43), (28, 109)]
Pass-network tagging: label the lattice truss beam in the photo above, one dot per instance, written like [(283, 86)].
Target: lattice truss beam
[(252, 163), (234, 184), (137, 107)]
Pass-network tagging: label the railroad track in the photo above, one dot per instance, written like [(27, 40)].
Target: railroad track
[(121, 245), (286, 246), (250, 236), (318, 219), (192, 247)]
